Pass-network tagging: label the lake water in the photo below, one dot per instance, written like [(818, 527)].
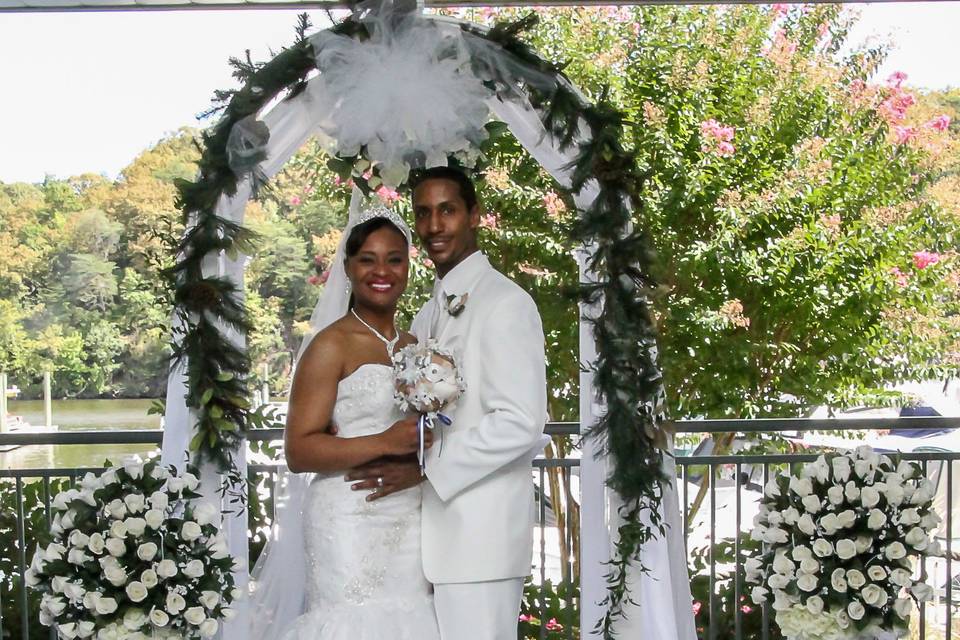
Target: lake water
[(74, 415)]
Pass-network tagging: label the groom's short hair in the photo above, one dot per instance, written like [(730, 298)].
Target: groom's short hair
[(467, 191)]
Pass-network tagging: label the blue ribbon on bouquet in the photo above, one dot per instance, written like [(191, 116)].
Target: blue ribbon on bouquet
[(426, 421)]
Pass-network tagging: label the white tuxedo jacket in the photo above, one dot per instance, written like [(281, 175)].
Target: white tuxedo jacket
[(478, 503)]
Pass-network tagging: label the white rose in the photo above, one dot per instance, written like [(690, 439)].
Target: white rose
[(843, 620), (208, 628), (901, 577), (116, 509), (115, 547), (864, 543), (895, 551), (846, 549), (838, 580), (752, 565), (774, 518), (806, 525), (822, 548), (209, 599), (191, 481), (133, 619), (195, 615), (855, 610), (781, 601), (903, 607), (922, 592), (78, 538), (847, 518), (894, 494), (877, 519), (830, 523), (159, 618), (811, 503), (90, 599), (807, 582), (235, 593), (771, 489), (924, 494), (159, 500), (835, 495), (85, 628), (147, 551), (194, 569), (118, 529), (869, 497), (154, 518), (134, 467), (149, 578), (136, 526), (790, 515), (54, 551), (778, 581), (758, 595), (773, 535), (57, 583), (135, 502), (801, 486), (159, 472), (106, 606), (877, 573), (917, 538), (809, 565), (855, 578), (851, 491), (782, 564), (108, 477), (67, 630), (66, 521), (204, 513), (61, 501), (175, 603), (190, 531), (930, 521), (176, 485), (167, 568), (864, 469), (873, 596), (96, 543), (801, 552), (74, 591), (78, 557), (841, 468), (31, 578), (815, 605), (115, 576), (908, 517), (87, 497), (55, 605)]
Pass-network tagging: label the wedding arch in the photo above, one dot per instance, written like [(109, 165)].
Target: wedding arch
[(279, 107)]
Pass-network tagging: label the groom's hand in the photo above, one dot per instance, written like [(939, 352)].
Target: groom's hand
[(397, 475)]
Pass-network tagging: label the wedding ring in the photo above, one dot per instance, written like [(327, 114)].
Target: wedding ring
[(380, 481)]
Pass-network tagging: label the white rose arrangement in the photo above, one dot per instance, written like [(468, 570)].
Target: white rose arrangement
[(134, 554), (842, 539)]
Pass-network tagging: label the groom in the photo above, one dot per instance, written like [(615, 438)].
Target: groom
[(478, 500)]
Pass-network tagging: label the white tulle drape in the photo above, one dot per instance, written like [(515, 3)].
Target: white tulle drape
[(663, 610)]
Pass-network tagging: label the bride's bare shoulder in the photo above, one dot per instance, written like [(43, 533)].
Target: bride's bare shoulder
[(327, 348)]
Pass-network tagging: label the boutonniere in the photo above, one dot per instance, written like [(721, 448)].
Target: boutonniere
[(456, 304)]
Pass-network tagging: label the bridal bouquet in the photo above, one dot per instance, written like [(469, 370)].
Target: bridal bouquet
[(133, 555), (427, 382), (842, 540)]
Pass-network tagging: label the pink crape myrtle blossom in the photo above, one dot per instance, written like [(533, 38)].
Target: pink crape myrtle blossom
[(489, 221), (295, 201), (903, 134), (900, 277), (896, 79), (553, 625), (319, 260), (554, 205), (414, 252), (923, 259), (780, 9), (940, 123), (428, 263), (314, 280), (387, 195), (894, 108), (717, 138), (526, 617)]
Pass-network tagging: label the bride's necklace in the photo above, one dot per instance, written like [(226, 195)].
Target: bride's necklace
[(391, 344)]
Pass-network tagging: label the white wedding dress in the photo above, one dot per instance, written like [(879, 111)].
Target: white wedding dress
[(364, 577)]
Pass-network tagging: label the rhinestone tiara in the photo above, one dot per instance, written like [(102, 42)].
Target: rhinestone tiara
[(379, 210)]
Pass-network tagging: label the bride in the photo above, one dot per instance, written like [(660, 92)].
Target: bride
[(351, 565)]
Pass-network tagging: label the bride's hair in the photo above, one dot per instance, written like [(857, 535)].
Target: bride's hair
[(360, 233)]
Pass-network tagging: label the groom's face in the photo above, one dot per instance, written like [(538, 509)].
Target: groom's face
[(446, 227)]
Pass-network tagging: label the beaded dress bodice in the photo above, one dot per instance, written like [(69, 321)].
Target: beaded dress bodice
[(364, 575)]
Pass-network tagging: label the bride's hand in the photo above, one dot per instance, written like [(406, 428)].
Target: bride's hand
[(403, 437)]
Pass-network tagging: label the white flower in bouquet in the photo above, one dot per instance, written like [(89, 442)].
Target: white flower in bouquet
[(837, 560), (195, 615), (208, 628), (108, 560)]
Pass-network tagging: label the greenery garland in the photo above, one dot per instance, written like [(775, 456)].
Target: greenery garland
[(627, 376)]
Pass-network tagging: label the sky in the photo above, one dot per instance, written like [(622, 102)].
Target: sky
[(87, 92)]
